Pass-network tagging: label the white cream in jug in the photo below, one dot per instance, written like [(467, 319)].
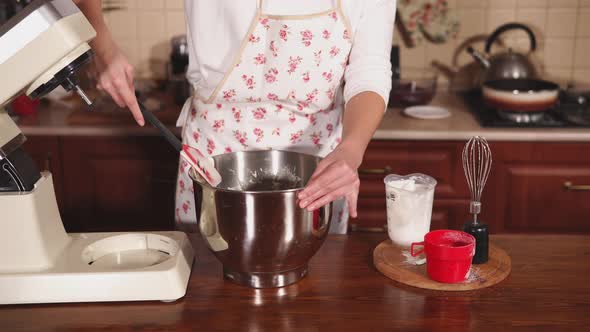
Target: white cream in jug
[(409, 209)]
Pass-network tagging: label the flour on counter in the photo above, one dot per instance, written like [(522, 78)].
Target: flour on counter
[(418, 260), (474, 275)]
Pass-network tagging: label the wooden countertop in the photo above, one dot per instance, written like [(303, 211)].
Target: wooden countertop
[(548, 290), (460, 126)]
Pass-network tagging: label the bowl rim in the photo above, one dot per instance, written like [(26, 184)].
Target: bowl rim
[(198, 179)]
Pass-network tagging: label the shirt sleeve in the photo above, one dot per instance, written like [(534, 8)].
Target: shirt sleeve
[(369, 67)]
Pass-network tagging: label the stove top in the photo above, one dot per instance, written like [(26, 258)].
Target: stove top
[(568, 113)]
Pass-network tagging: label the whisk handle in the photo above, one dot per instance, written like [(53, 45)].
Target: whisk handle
[(481, 234)]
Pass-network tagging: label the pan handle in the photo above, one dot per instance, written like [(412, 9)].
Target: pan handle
[(511, 26)]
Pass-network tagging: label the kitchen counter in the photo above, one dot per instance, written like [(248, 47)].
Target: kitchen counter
[(395, 126), (463, 125), (546, 291)]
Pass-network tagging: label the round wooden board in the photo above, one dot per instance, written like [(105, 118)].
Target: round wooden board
[(389, 259)]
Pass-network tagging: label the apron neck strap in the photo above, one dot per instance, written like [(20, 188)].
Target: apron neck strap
[(259, 3), (259, 7)]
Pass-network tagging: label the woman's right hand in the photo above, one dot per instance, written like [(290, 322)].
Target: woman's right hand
[(116, 78)]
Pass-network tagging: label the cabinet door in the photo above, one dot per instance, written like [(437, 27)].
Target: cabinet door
[(45, 151), (548, 198), (119, 184)]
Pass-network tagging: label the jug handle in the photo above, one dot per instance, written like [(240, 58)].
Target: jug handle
[(511, 26)]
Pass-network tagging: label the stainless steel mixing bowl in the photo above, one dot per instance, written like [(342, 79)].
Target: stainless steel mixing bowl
[(252, 221)]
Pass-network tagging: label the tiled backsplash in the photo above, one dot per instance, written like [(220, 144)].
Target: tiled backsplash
[(144, 28)]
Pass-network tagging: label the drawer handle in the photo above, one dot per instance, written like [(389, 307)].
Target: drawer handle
[(385, 170), (568, 185), (357, 228)]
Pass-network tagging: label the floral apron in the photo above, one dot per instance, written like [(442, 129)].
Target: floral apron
[(282, 92)]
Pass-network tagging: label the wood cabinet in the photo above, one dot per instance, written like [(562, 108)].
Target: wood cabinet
[(128, 183), (541, 187), (110, 183), (533, 187), (119, 184)]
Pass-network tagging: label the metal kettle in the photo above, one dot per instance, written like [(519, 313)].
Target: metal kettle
[(506, 65)]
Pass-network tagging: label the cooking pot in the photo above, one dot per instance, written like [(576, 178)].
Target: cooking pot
[(252, 221), (522, 95), (508, 64)]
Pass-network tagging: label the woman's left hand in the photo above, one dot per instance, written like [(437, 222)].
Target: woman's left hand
[(336, 176)]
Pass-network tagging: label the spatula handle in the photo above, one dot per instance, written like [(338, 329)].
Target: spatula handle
[(164, 131)]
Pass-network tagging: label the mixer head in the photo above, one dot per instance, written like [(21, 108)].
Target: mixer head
[(41, 47), (66, 78)]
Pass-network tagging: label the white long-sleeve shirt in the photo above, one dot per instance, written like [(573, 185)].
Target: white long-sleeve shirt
[(217, 27)]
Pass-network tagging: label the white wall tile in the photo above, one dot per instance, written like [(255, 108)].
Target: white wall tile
[(561, 22)]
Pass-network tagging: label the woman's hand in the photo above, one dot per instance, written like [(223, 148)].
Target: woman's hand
[(116, 78), (336, 176)]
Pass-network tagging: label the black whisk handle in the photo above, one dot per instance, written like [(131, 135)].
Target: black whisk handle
[(481, 235)]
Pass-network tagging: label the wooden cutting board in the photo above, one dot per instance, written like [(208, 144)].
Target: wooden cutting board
[(390, 260)]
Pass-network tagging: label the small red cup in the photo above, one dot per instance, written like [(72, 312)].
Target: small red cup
[(448, 255)]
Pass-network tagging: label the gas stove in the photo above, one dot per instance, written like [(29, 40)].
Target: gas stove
[(573, 110)]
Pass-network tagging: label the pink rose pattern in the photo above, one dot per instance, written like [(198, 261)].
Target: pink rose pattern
[(210, 146), (284, 33), (334, 51), (306, 37), (317, 57), (301, 114), (260, 59), (229, 95), (249, 81), (259, 113), (274, 49), (241, 137), (259, 133), (305, 77), (271, 75), (296, 137), (294, 62), (218, 125), (265, 23), (328, 76)]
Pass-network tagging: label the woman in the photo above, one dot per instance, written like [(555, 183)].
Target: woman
[(271, 74)]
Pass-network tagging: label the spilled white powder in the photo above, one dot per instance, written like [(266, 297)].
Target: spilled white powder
[(474, 275), (410, 260)]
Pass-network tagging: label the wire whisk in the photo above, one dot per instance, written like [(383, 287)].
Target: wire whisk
[(477, 164)]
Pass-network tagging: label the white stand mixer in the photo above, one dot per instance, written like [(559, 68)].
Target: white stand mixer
[(40, 49)]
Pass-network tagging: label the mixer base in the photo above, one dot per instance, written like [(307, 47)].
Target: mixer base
[(266, 280)]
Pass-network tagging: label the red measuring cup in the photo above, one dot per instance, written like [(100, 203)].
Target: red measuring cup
[(448, 254)]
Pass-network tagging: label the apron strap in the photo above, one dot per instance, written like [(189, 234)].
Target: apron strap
[(259, 3)]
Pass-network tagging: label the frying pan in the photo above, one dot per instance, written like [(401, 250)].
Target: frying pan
[(520, 95)]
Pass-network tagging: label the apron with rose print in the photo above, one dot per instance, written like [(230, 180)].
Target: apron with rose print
[(282, 92)]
